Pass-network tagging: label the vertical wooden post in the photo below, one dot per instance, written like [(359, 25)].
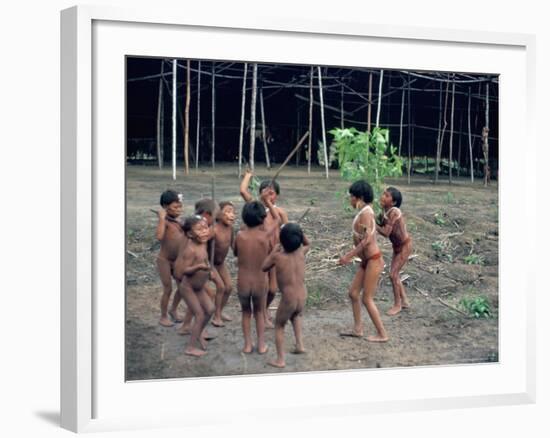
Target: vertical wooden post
[(160, 140), (266, 150), (440, 143), (409, 126), (452, 132), (174, 115), (323, 121), (379, 98), (253, 115), (341, 108), (370, 102), (470, 136), (310, 126), (439, 127), (186, 132), (241, 131), (198, 116), (401, 120), (486, 138), (459, 143), (213, 115)]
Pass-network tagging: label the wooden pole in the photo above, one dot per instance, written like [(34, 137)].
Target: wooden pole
[(266, 151), (459, 144), (186, 132), (241, 131), (439, 146), (198, 115), (470, 136), (486, 139), (341, 107), (310, 120), (438, 138), (213, 116), (401, 120), (287, 159), (253, 115), (380, 97), (452, 133), (370, 102), (174, 115), (159, 119), (409, 128), (323, 121)]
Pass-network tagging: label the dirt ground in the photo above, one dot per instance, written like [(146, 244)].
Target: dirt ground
[(448, 223)]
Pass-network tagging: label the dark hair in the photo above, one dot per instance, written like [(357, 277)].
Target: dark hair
[(168, 197), (190, 222), (362, 189), (205, 205), (253, 214), (269, 183), (225, 204), (396, 196), (291, 237)]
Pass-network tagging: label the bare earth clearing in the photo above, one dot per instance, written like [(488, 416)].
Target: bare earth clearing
[(433, 331)]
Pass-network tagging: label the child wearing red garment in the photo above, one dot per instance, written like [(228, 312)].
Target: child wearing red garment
[(372, 264), (393, 226)]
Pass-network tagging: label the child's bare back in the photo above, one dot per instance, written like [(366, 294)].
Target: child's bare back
[(251, 248)]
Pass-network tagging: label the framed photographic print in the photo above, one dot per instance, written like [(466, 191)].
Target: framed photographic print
[(223, 177)]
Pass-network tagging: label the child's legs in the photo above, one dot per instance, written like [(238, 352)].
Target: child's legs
[(226, 277), (271, 292), (246, 313), (258, 306), (207, 305), (297, 326), (194, 305), (370, 282), (398, 261), (165, 273), (281, 317), (354, 295), (220, 290)]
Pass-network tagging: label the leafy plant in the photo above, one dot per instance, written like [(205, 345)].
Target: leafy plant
[(474, 259), (438, 219), (438, 246), (449, 198), (478, 307), (254, 185), (366, 155), (314, 298)]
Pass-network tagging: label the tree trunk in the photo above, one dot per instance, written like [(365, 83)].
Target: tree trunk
[(253, 115), (186, 132), (174, 115), (370, 102), (380, 98), (401, 120), (198, 116), (470, 136), (213, 115), (310, 126), (266, 151), (323, 121), (160, 157), (452, 133), (241, 131)]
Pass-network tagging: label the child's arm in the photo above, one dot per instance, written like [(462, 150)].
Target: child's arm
[(243, 188), (305, 244), (235, 245), (269, 262), (273, 211), (161, 226), (387, 228), (348, 257)]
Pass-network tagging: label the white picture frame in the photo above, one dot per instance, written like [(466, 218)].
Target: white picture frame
[(93, 398)]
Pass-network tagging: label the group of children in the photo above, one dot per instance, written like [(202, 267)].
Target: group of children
[(270, 254)]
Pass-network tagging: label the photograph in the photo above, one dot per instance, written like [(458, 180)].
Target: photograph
[(289, 218)]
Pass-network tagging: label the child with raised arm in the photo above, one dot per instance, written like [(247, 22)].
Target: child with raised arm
[(392, 225), (372, 264), (252, 245), (192, 270), (289, 259), (223, 240), (269, 191), (170, 234)]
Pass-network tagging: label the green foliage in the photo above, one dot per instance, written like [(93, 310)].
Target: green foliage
[(438, 219), (314, 297), (449, 198), (478, 307), (438, 246), (254, 185), (366, 155), (474, 259)]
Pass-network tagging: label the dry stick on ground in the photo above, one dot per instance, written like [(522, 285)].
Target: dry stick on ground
[(439, 300)]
